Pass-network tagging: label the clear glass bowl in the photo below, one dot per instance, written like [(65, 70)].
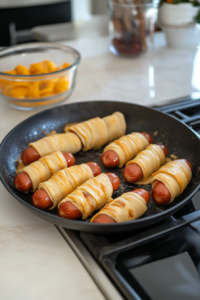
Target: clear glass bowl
[(40, 74), (131, 26)]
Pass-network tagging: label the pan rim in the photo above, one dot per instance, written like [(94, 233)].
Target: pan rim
[(163, 214)]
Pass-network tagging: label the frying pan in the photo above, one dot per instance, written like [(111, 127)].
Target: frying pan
[(179, 138)]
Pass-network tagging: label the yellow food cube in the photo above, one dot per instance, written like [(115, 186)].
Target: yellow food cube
[(4, 82), (22, 70), (33, 90), (61, 85), (46, 86), (50, 66), (10, 85), (43, 67), (37, 68), (65, 65), (18, 92)]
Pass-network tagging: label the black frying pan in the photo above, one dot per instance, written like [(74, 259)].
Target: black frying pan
[(179, 139)]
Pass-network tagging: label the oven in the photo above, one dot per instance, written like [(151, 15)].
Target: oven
[(17, 18), (161, 262)]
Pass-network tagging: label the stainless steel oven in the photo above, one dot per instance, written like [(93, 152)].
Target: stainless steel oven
[(17, 18)]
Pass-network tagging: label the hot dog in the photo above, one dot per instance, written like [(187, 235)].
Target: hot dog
[(173, 183), (102, 218), (30, 155), (114, 179), (42, 200), (23, 181), (144, 194), (69, 210), (96, 170), (133, 172), (129, 145)]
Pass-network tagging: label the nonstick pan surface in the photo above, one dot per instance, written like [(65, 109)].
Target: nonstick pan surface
[(179, 138)]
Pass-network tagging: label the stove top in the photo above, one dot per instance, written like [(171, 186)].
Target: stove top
[(162, 262)]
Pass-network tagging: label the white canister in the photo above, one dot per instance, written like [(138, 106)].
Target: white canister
[(178, 24), (182, 36)]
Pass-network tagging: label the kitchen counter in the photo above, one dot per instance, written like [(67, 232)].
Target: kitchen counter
[(154, 78), (36, 262)]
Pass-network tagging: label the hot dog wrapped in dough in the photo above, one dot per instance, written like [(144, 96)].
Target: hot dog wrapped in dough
[(129, 206), (127, 147), (90, 196), (116, 125), (172, 178), (65, 182), (96, 132), (140, 169), (64, 142), (41, 170), (91, 134)]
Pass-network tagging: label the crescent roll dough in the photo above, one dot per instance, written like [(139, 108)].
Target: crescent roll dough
[(93, 133), (116, 125), (128, 146), (41, 170), (92, 195), (175, 175), (129, 206), (65, 182), (149, 161), (96, 132), (64, 142)]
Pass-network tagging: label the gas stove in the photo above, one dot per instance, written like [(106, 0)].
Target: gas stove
[(162, 262)]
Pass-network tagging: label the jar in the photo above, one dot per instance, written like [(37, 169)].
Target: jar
[(131, 26)]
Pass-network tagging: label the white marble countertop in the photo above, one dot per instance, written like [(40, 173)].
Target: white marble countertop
[(154, 78), (36, 262)]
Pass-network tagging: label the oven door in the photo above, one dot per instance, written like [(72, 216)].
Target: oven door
[(17, 18)]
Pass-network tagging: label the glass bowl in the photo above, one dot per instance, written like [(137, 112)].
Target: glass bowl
[(132, 26), (37, 75)]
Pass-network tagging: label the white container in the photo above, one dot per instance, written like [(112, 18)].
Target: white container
[(177, 14), (182, 37), (178, 24)]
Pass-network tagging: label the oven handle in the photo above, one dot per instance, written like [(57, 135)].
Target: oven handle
[(195, 252), (170, 225)]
